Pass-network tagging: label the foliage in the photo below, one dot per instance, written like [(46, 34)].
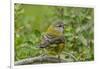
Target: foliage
[(31, 21)]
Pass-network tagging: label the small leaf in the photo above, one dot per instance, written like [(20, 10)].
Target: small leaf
[(83, 40), (37, 33)]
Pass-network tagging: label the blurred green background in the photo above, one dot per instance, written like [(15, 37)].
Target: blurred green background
[(31, 21)]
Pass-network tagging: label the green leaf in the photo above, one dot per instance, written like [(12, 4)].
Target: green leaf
[(83, 39), (37, 33)]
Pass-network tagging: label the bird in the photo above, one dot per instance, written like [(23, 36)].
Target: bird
[(53, 41)]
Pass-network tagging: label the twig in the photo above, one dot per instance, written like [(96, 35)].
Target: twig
[(71, 55), (39, 59)]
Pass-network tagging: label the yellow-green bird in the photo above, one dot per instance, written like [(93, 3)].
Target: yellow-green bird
[(53, 41)]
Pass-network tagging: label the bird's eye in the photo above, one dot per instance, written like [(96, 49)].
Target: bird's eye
[(58, 25)]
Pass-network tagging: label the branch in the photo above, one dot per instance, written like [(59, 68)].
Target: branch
[(43, 59)]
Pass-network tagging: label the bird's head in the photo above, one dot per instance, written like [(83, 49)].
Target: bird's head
[(59, 26)]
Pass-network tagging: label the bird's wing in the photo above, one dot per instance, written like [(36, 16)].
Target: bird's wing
[(47, 40)]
